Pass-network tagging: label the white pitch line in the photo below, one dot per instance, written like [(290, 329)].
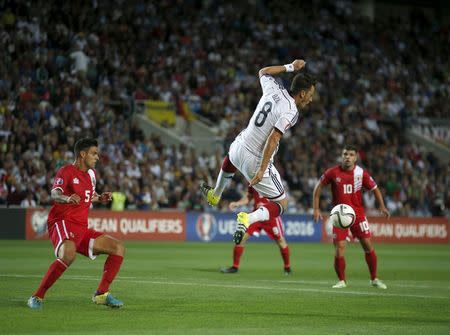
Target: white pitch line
[(358, 283), (247, 287)]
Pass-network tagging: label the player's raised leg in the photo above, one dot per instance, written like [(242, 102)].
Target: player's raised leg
[(213, 195), (269, 186), (66, 255), (269, 211), (115, 249), (372, 262)]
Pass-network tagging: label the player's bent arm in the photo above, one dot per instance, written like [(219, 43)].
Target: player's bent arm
[(104, 198), (272, 70), (96, 197), (57, 196), (245, 199), (241, 202), (296, 65), (270, 147), (316, 201)]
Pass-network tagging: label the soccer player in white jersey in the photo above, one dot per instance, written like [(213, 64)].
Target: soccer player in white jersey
[(253, 149)]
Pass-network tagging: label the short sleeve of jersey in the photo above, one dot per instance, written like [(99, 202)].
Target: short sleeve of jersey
[(269, 84), (61, 180), (327, 177), (286, 122), (368, 181), (93, 174)]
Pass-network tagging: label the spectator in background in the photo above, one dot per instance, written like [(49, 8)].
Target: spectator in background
[(28, 202), (400, 63), (118, 201)]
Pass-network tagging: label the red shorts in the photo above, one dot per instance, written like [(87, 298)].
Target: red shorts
[(82, 236), (273, 228), (360, 229)]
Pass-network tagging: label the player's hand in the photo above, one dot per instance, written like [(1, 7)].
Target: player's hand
[(105, 197), (385, 212), (74, 199), (257, 178), (233, 205), (317, 215), (298, 64)]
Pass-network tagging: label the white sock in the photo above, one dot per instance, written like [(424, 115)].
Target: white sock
[(223, 180), (261, 214)]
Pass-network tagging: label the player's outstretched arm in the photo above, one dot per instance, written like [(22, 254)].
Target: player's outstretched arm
[(316, 202), (380, 201), (269, 148), (241, 202), (59, 197), (296, 65)]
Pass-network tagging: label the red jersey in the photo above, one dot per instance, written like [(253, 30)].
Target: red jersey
[(346, 186), (69, 179)]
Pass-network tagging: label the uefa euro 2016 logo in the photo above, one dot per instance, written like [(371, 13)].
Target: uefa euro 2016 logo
[(206, 227), (39, 222)]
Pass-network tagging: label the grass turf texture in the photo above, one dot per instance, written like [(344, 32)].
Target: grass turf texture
[(176, 288)]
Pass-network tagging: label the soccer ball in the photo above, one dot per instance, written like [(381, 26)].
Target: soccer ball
[(342, 216)]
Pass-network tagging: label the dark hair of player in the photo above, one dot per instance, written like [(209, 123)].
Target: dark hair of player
[(302, 81), (84, 144), (350, 147)]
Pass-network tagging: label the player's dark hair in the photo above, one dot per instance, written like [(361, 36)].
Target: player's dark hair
[(302, 82), (351, 147), (84, 144)]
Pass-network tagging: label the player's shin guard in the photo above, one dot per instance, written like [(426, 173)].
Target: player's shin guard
[(339, 267), (55, 271), (110, 270), (285, 255), (237, 253), (226, 173), (371, 260)]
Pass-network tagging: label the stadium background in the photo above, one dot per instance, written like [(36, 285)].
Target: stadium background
[(166, 86)]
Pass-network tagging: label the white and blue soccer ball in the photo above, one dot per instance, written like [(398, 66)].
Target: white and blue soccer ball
[(342, 216)]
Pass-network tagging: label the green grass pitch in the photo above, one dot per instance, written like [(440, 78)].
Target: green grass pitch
[(176, 288)]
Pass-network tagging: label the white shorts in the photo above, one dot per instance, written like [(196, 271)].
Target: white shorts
[(271, 186)]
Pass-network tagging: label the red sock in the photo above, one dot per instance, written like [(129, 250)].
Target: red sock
[(371, 259), (285, 255), (339, 267), (55, 270), (237, 253), (110, 270), (274, 209)]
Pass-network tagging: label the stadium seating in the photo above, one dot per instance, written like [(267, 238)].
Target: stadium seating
[(76, 71)]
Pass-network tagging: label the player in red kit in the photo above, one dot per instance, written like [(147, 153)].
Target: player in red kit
[(347, 181), (272, 227), (73, 192)]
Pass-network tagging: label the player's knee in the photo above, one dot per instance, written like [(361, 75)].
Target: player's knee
[(119, 249), (284, 204), (282, 243), (227, 166), (68, 255), (340, 251)]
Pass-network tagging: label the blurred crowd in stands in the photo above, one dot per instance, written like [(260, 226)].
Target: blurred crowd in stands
[(71, 69)]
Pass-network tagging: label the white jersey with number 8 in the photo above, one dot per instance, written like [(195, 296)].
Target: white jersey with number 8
[(276, 108)]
